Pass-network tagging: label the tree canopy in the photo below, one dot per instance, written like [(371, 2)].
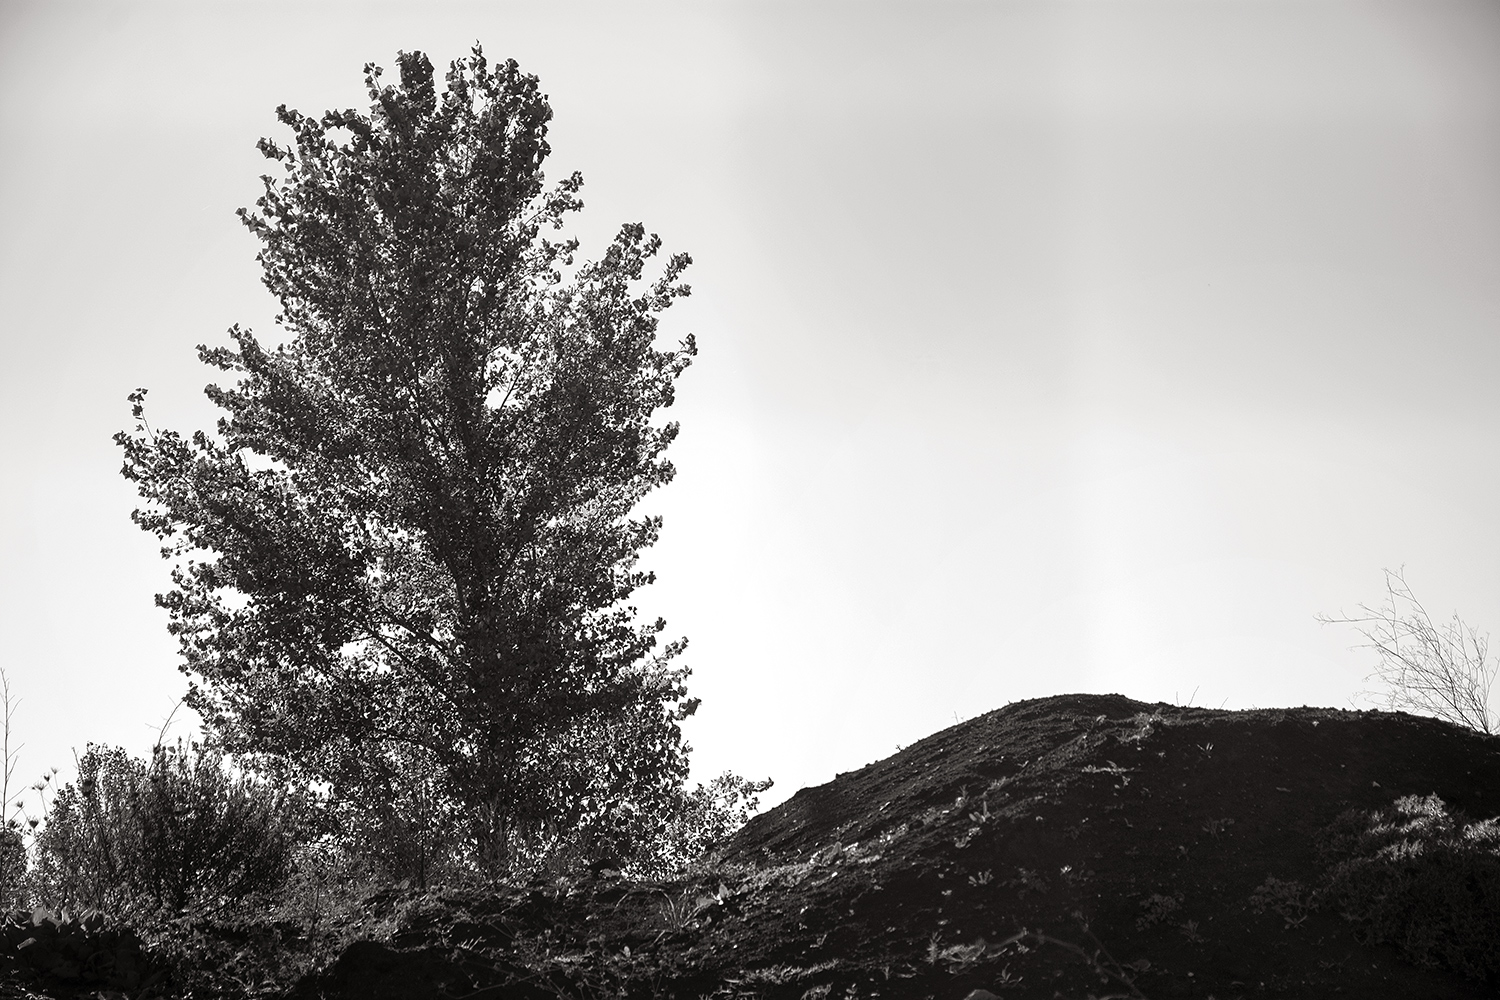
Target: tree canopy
[(403, 564)]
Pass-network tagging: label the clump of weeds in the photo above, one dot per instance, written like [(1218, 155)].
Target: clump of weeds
[(1156, 909), (1288, 899)]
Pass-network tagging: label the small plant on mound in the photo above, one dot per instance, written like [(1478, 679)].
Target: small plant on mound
[(1415, 875), (145, 841), (1286, 898)]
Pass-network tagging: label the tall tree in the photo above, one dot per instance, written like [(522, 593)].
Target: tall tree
[(403, 563)]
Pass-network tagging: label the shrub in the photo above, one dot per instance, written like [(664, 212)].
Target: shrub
[(329, 880), (1415, 875), (406, 830), (13, 868), (147, 840), (412, 833), (1442, 669), (1156, 908), (1286, 898), (702, 820), (74, 951)]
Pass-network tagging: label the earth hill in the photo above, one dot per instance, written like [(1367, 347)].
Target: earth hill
[(1075, 846)]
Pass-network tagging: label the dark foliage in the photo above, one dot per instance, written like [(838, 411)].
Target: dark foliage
[(83, 953), (1418, 876), (404, 562), (14, 866), (699, 822)]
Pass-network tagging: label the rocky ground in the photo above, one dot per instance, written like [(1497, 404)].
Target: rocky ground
[(1076, 846)]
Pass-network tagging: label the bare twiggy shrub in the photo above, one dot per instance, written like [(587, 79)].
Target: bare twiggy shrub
[(8, 764), (13, 859), (1441, 669)]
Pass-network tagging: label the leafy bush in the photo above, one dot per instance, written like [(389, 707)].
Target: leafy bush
[(701, 820), (613, 793), (403, 828), (329, 880), (412, 833), (146, 840), (1157, 908), (610, 794), (1417, 876), (80, 950), (13, 868)]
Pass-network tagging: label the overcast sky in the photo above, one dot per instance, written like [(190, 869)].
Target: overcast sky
[(1045, 347)]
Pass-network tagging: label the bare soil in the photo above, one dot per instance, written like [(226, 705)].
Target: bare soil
[(1075, 846), (1065, 847)]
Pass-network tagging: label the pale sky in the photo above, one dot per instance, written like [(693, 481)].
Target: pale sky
[(1045, 347)]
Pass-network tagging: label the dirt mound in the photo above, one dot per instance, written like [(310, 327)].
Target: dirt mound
[(1073, 846), (1179, 849)]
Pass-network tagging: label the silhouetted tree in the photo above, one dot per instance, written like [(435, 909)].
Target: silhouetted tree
[(403, 563)]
